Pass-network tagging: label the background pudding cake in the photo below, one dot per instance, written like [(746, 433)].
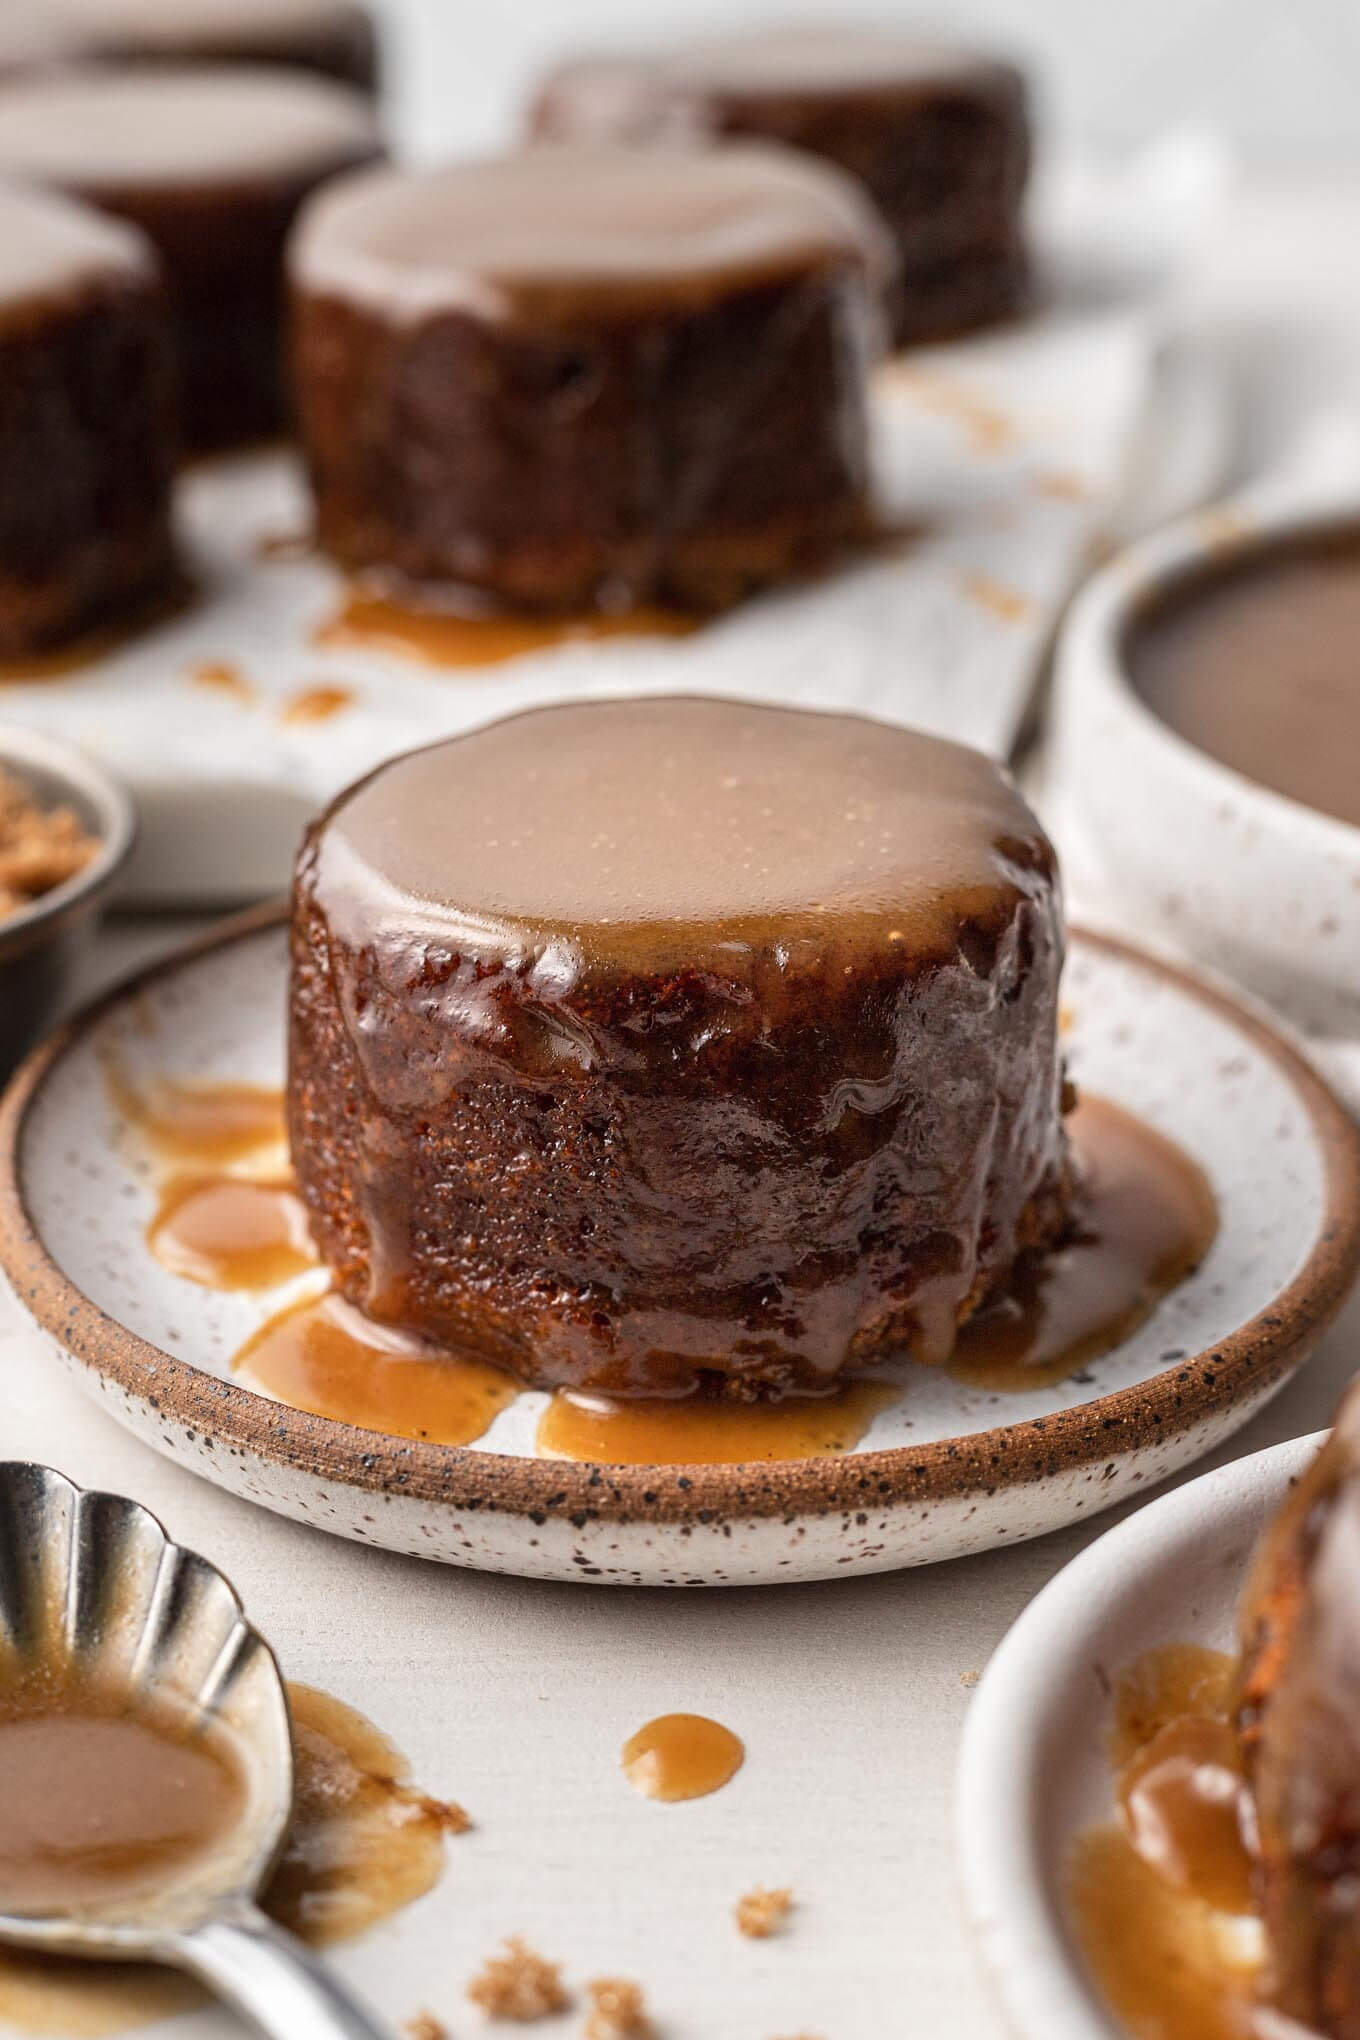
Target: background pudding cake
[(87, 436), (649, 1045), (334, 37), (939, 136), (212, 165), (587, 376)]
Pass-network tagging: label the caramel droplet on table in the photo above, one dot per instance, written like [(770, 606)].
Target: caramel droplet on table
[(682, 1756), (326, 1357), (318, 704), (706, 1431), (202, 1123), (231, 1232), (1145, 1218), (442, 637)]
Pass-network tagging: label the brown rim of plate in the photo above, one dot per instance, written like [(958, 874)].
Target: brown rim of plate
[(1092, 1435)]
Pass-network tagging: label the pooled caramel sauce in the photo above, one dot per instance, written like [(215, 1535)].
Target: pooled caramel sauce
[(679, 833), (682, 1756), (364, 1843), (318, 704), (443, 637), (1254, 663), (231, 1232), (1145, 1218), (709, 1432), (103, 1799), (1161, 1902), (324, 1356), (201, 1125)]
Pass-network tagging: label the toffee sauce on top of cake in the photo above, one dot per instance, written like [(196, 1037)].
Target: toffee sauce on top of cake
[(1256, 663), (677, 834), (560, 232)]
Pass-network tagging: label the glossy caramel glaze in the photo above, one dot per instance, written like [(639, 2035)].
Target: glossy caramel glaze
[(1254, 663), (682, 1756), (325, 1356), (708, 1430), (444, 637), (1300, 1725), (1143, 1218), (103, 1801), (230, 1232), (364, 1843), (688, 1039), (1162, 1902)]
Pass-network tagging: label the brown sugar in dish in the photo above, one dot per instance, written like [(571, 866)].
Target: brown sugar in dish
[(40, 848), (618, 2010), (761, 1913), (519, 1985)]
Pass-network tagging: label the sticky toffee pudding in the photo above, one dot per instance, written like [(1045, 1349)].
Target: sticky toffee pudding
[(939, 137), (646, 1046), (87, 422), (588, 378)]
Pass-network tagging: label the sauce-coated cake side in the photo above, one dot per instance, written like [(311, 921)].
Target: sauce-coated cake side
[(589, 377), (648, 1045)]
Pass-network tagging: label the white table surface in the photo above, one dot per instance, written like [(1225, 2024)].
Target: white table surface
[(850, 1695)]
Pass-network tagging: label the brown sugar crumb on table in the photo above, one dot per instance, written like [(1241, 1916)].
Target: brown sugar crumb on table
[(425, 2026), (618, 2010), (40, 848), (761, 1913), (519, 1985)]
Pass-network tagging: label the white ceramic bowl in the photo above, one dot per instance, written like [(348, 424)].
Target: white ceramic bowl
[(1183, 849), (1034, 1769)]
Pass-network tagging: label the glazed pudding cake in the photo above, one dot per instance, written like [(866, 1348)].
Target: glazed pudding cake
[(939, 136), (87, 427), (655, 1045), (212, 165), (589, 377), (334, 37)]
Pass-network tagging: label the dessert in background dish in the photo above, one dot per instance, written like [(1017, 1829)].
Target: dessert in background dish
[(589, 377), (938, 135), (1225, 1903), (334, 37), (1254, 662), (87, 428), (650, 1045), (212, 165), (34, 33)]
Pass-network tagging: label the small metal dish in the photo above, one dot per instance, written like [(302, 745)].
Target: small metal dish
[(39, 944)]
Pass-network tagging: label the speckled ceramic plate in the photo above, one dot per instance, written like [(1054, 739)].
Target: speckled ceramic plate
[(948, 1469), (1034, 1771)]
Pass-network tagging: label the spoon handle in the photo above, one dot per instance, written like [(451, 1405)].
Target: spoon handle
[(272, 1980)]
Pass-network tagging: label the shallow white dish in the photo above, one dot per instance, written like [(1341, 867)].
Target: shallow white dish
[(952, 1469), (1034, 1769)]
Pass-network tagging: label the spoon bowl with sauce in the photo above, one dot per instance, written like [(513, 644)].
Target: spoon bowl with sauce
[(146, 1763)]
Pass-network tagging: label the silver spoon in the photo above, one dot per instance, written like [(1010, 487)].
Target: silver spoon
[(91, 1582)]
